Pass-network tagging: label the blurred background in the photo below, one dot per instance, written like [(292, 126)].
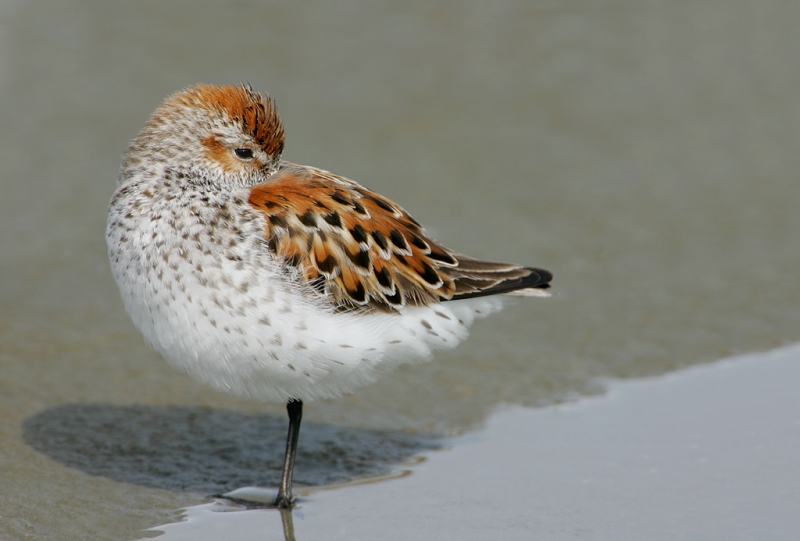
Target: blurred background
[(646, 153)]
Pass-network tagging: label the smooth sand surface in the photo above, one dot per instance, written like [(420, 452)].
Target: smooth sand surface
[(706, 453)]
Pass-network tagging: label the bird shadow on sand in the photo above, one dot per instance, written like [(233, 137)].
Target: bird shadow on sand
[(209, 451)]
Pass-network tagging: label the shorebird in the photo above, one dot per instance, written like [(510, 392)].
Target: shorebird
[(275, 280)]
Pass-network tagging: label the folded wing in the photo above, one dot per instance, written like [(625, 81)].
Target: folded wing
[(360, 249)]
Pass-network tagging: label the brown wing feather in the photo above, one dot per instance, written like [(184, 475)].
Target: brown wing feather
[(361, 249)]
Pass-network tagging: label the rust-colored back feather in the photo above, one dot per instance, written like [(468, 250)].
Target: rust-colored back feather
[(361, 249)]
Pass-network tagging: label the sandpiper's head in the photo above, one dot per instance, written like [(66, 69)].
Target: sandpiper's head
[(227, 134)]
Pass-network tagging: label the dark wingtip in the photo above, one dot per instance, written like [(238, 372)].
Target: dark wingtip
[(535, 279), (540, 278)]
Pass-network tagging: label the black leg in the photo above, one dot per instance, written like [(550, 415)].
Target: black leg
[(285, 498)]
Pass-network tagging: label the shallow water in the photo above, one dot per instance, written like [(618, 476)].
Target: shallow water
[(707, 453), (646, 153)]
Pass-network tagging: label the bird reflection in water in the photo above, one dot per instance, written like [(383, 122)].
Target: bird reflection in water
[(288, 524), (286, 514)]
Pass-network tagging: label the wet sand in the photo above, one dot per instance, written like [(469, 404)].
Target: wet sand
[(704, 453)]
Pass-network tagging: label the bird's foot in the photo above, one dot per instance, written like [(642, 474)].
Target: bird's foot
[(247, 504), (284, 502), (258, 499)]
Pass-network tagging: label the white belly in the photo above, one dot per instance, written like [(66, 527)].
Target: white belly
[(210, 298)]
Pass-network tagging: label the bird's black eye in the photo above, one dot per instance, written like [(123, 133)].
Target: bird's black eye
[(244, 153)]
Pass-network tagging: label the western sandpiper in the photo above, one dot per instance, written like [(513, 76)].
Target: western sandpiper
[(275, 280)]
